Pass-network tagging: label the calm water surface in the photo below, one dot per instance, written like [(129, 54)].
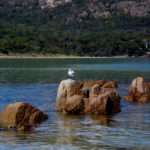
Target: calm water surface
[(36, 81)]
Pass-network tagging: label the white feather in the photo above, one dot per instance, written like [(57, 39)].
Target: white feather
[(71, 72)]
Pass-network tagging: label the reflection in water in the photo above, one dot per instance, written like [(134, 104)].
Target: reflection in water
[(101, 119), (66, 127), (77, 130)]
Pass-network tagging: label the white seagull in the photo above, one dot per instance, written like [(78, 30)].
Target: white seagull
[(71, 72)]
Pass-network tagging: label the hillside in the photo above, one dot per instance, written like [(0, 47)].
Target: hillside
[(87, 27)]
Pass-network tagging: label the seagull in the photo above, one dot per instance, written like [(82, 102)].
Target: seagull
[(71, 72)]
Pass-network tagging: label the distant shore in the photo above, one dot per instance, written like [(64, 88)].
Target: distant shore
[(59, 56), (46, 56)]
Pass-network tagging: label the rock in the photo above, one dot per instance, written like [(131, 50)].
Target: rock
[(137, 86), (90, 83), (98, 97), (132, 8), (74, 105), (21, 116), (144, 98), (101, 83), (34, 3), (139, 91), (129, 98), (148, 85), (110, 84), (107, 102), (68, 88), (95, 90), (54, 3), (69, 96), (85, 92)]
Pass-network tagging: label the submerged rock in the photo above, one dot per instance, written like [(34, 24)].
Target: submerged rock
[(98, 97), (139, 91), (21, 116)]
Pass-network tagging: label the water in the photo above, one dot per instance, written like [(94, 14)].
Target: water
[(36, 81)]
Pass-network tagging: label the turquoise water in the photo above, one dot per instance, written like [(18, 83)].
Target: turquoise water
[(36, 81)]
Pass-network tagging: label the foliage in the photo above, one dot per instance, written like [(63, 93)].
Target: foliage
[(25, 31)]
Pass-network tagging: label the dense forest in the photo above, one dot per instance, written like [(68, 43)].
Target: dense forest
[(48, 32)]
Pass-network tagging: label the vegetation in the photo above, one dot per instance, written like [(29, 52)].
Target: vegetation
[(39, 32)]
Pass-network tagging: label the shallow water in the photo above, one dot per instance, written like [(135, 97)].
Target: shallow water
[(36, 81)]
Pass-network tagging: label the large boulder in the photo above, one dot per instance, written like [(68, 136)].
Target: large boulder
[(69, 96), (21, 116), (139, 91), (76, 97)]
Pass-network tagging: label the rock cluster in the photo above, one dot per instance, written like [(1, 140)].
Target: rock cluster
[(76, 97), (139, 91), (133, 8), (88, 97), (86, 9), (21, 116)]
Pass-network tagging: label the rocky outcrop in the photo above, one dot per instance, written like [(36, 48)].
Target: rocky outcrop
[(53, 3), (21, 116), (88, 97), (81, 10), (34, 3), (133, 8), (139, 91), (98, 9)]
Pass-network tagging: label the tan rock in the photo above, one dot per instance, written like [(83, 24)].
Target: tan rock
[(144, 98), (67, 88), (90, 83), (99, 97), (137, 85), (104, 103), (95, 90), (74, 105), (139, 91), (21, 116), (110, 84), (129, 98)]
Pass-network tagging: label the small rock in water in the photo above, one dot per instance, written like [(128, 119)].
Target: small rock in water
[(21, 116), (139, 91)]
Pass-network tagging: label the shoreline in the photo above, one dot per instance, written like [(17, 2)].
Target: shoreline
[(36, 56)]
